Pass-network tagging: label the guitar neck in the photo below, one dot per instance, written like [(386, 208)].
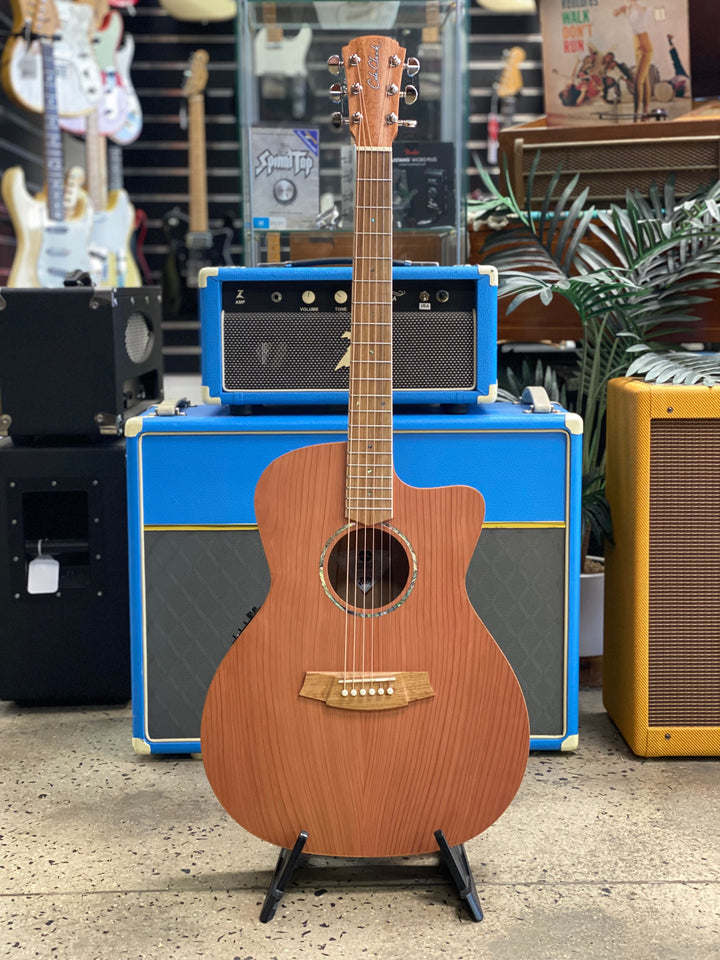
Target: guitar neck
[(54, 160), (96, 163), (369, 459), (198, 202)]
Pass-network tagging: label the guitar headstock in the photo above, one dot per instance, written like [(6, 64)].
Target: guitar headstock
[(45, 20), (373, 75), (196, 74)]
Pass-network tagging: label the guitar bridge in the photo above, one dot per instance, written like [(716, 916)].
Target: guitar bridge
[(357, 691)]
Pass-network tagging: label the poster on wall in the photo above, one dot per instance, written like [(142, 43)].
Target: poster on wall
[(285, 176), (610, 62)]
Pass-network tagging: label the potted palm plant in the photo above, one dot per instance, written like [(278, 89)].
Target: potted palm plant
[(634, 273)]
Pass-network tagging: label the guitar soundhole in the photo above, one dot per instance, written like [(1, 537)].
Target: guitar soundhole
[(368, 570)]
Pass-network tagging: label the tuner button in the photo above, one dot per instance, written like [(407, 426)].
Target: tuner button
[(412, 66), (337, 120), (334, 63), (410, 94), (308, 296), (336, 93)]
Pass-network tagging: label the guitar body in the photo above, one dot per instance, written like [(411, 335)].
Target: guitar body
[(131, 127), (78, 78), (364, 782), (112, 261), (183, 263), (46, 249), (114, 98)]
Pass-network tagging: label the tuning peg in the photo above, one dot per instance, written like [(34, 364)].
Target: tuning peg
[(412, 66), (338, 120), (410, 94), (407, 123), (337, 92), (334, 63)]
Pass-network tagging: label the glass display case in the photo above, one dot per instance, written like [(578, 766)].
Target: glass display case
[(298, 162)]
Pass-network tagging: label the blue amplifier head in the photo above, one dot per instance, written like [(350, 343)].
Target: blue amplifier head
[(281, 334)]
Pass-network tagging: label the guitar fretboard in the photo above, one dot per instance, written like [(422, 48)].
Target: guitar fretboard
[(54, 162), (198, 203), (369, 460)]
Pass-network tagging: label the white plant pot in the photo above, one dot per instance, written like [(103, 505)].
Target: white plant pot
[(592, 596)]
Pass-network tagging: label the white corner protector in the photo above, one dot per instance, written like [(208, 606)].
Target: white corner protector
[(574, 422), (206, 398), (206, 272), (133, 426), (139, 746), (570, 743)]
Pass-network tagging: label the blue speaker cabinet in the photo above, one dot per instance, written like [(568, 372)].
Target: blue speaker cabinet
[(197, 566), (281, 335)]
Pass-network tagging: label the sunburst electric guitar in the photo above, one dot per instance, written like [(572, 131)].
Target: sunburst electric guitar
[(52, 228), (365, 704)]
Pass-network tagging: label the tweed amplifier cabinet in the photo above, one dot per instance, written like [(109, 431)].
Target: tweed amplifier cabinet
[(67, 640), (77, 361), (279, 335), (661, 663), (197, 566)]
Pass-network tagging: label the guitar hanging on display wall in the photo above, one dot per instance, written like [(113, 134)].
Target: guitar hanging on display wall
[(192, 245), (112, 263), (365, 705), (52, 228), (78, 80)]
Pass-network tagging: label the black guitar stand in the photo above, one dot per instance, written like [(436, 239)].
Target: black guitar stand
[(454, 858)]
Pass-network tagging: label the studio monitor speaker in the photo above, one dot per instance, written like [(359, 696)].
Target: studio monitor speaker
[(661, 664)]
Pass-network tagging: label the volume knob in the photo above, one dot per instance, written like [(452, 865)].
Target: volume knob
[(308, 296)]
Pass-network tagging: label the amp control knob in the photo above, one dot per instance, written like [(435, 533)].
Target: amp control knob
[(341, 296), (308, 296)]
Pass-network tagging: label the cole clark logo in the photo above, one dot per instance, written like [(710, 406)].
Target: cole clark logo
[(291, 161), (373, 79)]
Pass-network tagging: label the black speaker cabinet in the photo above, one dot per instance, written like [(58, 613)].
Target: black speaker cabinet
[(77, 361), (71, 645)]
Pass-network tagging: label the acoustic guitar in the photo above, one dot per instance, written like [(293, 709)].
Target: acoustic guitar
[(365, 703)]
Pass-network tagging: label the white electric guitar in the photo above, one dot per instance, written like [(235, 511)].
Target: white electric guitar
[(77, 73), (114, 99), (111, 260), (53, 228)]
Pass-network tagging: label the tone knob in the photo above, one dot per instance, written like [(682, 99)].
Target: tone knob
[(341, 296), (308, 296)]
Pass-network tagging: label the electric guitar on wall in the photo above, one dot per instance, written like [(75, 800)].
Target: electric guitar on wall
[(192, 245), (112, 263), (77, 73), (366, 704), (115, 98), (52, 228)]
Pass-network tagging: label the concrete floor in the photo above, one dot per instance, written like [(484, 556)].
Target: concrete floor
[(106, 854)]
